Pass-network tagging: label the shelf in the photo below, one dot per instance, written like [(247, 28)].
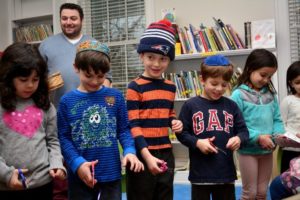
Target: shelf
[(46, 17), (239, 52)]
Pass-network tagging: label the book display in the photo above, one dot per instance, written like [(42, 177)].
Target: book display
[(31, 21), (202, 39)]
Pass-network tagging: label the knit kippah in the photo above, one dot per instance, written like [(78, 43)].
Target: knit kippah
[(216, 60), (93, 45), (158, 38)]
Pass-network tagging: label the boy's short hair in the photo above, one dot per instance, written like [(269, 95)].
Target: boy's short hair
[(215, 66), (159, 38), (92, 54), (72, 6)]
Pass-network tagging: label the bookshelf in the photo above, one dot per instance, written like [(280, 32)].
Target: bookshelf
[(31, 20)]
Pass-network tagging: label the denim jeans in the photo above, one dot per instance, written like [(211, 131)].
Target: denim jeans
[(107, 191), (277, 190)]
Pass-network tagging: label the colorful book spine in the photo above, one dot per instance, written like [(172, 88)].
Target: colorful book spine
[(191, 40), (203, 41), (234, 36)]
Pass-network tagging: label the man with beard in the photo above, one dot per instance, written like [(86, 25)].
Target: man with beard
[(59, 50)]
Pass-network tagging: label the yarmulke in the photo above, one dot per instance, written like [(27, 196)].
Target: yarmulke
[(158, 38), (216, 60), (93, 45)]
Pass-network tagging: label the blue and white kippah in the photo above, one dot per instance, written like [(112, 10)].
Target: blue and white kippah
[(216, 60), (93, 45)]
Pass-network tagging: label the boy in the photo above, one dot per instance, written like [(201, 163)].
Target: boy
[(213, 127), (150, 102), (91, 120)]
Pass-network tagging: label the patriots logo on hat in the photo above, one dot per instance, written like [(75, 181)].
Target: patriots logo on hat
[(163, 48)]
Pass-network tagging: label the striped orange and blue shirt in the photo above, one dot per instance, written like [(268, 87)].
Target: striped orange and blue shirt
[(150, 104)]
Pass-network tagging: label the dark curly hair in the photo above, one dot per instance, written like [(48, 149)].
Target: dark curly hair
[(19, 60)]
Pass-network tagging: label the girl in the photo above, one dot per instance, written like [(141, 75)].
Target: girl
[(29, 149), (290, 110), (257, 100)]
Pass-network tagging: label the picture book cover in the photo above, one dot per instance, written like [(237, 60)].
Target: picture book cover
[(263, 34)]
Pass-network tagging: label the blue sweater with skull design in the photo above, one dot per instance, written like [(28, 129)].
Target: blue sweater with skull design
[(89, 127)]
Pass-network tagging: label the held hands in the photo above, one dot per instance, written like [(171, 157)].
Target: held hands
[(57, 174), (85, 173), (233, 143), (206, 145), (266, 142), (135, 164), (177, 126), (15, 183)]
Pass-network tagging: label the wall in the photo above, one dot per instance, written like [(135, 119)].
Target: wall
[(4, 24)]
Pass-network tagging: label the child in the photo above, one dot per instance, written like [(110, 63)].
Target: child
[(150, 101), (213, 127), (290, 111), (259, 105), (91, 120), (288, 183), (30, 154)]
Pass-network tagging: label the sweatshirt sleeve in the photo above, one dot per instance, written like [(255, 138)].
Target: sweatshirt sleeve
[(240, 127), (284, 110), (133, 98), (187, 137), (123, 129), (71, 156), (5, 171), (278, 127), (55, 156)]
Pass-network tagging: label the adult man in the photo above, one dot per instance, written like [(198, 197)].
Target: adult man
[(59, 50)]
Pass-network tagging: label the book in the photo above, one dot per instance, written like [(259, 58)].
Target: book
[(234, 36), (196, 38), (263, 34), (247, 28), (287, 140), (190, 39)]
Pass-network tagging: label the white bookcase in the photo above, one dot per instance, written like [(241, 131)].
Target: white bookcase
[(28, 13)]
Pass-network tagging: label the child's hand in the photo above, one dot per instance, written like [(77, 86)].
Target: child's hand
[(177, 126), (14, 182), (233, 143), (206, 145), (266, 142), (135, 164), (85, 174), (57, 173), (154, 164), (298, 135)]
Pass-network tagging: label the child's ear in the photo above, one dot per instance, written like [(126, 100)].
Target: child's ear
[(201, 79), (75, 68), (141, 55)]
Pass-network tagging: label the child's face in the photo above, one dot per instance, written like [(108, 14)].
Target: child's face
[(90, 82), (295, 83), (154, 64), (214, 88), (261, 77), (26, 86)]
